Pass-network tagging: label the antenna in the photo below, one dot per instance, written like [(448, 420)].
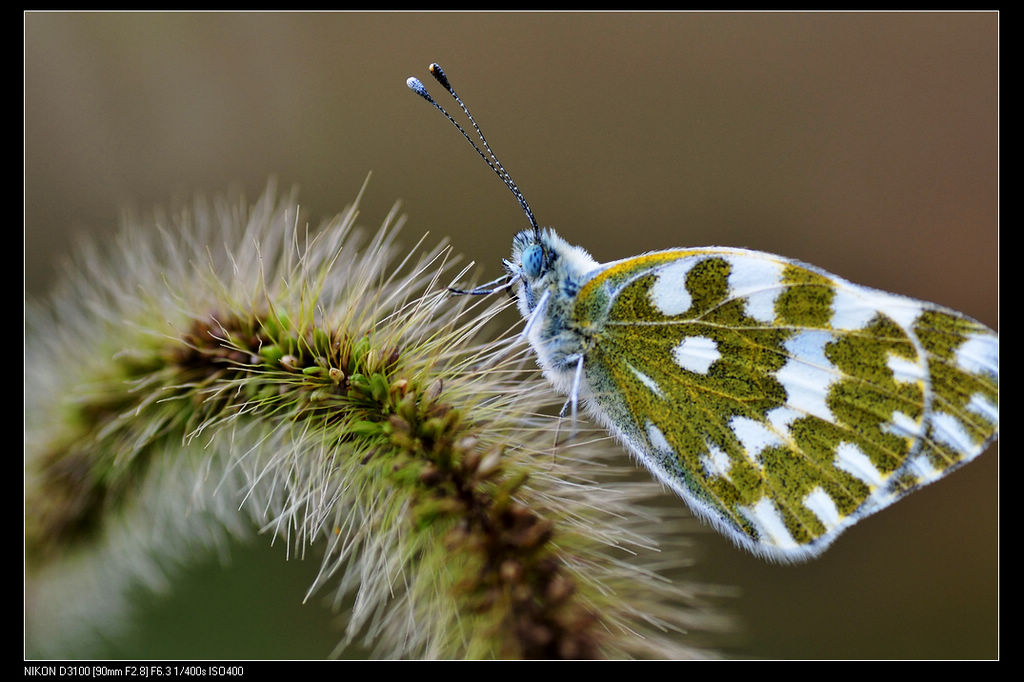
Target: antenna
[(438, 73)]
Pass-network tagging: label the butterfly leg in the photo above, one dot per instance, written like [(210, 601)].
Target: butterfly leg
[(575, 392), (535, 315), (503, 282)]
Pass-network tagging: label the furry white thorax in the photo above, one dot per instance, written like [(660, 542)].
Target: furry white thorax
[(546, 300)]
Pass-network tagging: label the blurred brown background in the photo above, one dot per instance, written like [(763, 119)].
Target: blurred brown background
[(864, 143)]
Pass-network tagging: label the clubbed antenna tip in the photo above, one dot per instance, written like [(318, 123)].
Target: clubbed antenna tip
[(416, 86), (438, 73)]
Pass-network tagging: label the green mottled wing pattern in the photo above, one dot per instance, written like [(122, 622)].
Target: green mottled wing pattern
[(782, 402)]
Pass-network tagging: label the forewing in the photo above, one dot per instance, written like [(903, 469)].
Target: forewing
[(782, 402)]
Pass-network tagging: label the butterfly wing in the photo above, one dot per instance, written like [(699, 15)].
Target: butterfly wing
[(781, 402)]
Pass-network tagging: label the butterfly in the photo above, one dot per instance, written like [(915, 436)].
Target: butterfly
[(782, 403)]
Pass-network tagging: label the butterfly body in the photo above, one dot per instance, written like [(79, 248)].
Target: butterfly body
[(781, 402)]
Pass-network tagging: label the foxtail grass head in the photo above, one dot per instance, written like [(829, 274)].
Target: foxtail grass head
[(236, 370)]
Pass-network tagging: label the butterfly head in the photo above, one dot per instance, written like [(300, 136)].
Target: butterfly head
[(543, 263), (530, 268)]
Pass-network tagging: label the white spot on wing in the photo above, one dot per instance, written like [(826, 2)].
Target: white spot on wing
[(822, 506), (947, 429), (922, 467), (850, 309), (769, 523), (646, 381), (854, 306), (979, 354), (669, 294), (658, 440), (753, 435), (781, 417), (757, 280), (905, 370), (696, 353), (716, 462), (853, 461), (981, 405), (808, 373), (903, 425), (902, 311)]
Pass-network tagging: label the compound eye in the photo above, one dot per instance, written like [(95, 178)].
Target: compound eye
[(533, 260)]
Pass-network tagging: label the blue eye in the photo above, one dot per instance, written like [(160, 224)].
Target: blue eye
[(532, 260)]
